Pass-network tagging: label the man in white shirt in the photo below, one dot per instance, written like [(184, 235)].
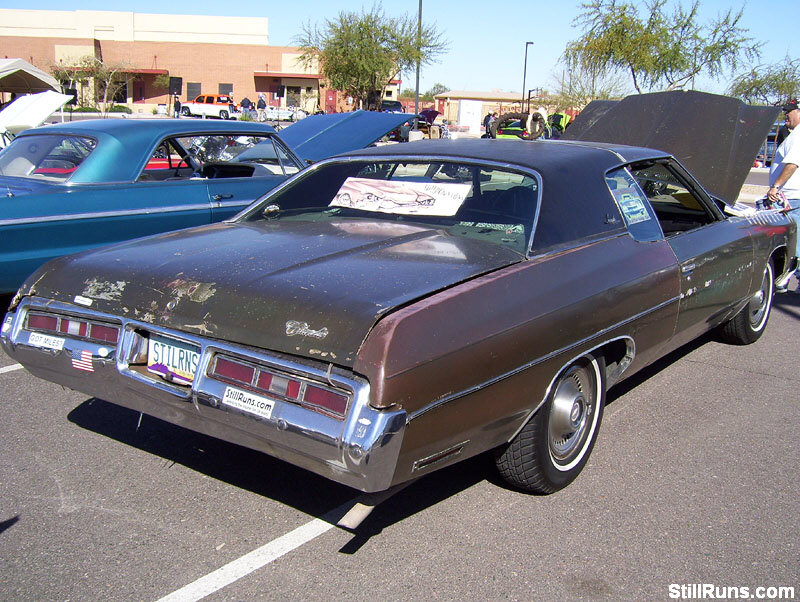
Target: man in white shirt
[(784, 175)]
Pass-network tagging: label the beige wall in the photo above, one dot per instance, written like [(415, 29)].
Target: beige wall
[(134, 27), (206, 50)]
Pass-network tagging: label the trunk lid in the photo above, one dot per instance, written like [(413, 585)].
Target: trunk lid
[(313, 289)]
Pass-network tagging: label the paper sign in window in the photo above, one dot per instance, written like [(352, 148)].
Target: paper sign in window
[(404, 198)]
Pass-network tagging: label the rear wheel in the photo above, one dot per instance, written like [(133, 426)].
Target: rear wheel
[(749, 324), (223, 114), (554, 446)]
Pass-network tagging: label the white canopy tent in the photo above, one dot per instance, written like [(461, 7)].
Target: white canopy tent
[(29, 111), (21, 77)]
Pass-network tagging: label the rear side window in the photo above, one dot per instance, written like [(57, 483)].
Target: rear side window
[(634, 206), (49, 156)]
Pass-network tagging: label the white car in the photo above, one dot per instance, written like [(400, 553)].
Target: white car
[(209, 105), (284, 114)]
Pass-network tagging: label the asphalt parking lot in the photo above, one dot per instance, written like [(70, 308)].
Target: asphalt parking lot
[(694, 480)]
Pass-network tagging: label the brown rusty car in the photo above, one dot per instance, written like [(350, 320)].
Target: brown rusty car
[(398, 309)]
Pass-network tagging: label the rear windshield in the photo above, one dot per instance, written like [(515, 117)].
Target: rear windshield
[(45, 156), (478, 201)]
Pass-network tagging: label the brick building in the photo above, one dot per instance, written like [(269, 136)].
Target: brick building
[(211, 55)]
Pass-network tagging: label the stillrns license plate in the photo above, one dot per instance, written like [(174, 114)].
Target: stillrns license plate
[(174, 360)]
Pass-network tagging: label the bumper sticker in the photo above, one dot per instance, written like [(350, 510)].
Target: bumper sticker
[(247, 402), (45, 342)]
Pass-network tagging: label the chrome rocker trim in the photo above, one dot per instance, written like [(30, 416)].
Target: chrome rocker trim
[(360, 451)]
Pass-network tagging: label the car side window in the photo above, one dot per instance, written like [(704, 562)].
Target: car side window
[(169, 161), (209, 100), (677, 208), (636, 210)]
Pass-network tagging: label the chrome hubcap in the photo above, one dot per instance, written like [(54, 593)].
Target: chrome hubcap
[(572, 413), (759, 304)]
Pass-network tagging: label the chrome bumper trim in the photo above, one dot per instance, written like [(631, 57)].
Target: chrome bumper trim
[(360, 451)]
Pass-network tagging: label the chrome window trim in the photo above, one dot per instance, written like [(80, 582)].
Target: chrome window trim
[(464, 392), (307, 172)]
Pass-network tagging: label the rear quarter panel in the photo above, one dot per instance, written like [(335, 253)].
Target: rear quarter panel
[(471, 363)]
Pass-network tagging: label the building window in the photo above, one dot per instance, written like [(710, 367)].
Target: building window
[(388, 93), (226, 89), (192, 90), (309, 89)]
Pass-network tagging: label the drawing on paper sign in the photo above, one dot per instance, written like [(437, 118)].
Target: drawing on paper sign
[(407, 198)]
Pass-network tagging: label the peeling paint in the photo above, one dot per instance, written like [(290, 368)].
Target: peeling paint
[(104, 289), (201, 328), (198, 292)]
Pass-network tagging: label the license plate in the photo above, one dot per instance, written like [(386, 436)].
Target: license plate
[(247, 402), (47, 342), (173, 360)]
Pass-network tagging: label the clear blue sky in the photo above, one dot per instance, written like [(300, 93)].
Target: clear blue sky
[(487, 39)]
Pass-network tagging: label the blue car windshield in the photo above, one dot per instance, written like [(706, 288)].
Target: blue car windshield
[(46, 156)]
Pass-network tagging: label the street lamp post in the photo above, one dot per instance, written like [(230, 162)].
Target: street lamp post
[(524, 74), (419, 45)]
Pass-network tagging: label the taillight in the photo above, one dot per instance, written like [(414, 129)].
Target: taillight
[(40, 322), (234, 371), (109, 334), (328, 400), (280, 385), (74, 327)]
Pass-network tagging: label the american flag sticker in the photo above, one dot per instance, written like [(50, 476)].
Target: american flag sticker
[(82, 360)]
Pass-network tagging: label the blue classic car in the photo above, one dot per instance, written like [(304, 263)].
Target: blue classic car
[(74, 186)]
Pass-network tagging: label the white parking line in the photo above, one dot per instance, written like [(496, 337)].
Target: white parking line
[(258, 558), (10, 368)]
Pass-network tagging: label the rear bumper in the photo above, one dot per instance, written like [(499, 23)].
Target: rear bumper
[(360, 451)]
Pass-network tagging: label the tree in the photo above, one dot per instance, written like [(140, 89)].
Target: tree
[(662, 48), (360, 54), (578, 86), (437, 88), (768, 84), (107, 80)]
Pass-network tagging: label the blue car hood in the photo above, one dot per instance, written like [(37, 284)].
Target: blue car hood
[(321, 136)]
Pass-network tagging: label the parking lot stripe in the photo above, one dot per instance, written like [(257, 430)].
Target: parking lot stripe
[(258, 558), (10, 368)]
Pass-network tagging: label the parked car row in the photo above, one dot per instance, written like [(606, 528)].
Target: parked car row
[(74, 186), (393, 310), (221, 106)]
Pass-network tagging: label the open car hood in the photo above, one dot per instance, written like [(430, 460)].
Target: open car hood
[(715, 137), (319, 136), (31, 111)]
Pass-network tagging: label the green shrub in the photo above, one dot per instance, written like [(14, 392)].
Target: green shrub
[(120, 109)]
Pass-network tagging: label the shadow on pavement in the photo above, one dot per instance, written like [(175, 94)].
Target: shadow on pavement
[(287, 484), (788, 304), (7, 524), (266, 476)]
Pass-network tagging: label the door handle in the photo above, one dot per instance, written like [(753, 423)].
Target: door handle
[(685, 269), (220, 197)]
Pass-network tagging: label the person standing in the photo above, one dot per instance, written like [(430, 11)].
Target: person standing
[(261, 107), (784, 176), (176, 107)]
